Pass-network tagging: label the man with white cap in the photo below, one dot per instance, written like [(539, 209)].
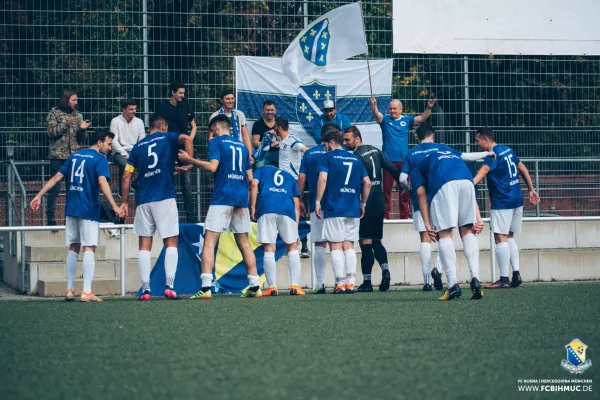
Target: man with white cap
[(330, 116)]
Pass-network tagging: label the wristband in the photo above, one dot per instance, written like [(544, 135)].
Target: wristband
[(363, 204), (318, 202)]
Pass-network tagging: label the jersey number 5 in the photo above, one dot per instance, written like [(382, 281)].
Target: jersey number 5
[(511, 165), (152, 155)]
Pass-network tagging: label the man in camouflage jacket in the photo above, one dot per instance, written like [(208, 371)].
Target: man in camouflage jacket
[(68, 133)]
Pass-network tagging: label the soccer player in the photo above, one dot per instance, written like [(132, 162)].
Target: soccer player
[(154, 159), (341, 176), (229, 160), (86, 173), (507, 203), (371, 225), (290, 156), (278, 211), (308, 177), (445, 180), (414, 158)]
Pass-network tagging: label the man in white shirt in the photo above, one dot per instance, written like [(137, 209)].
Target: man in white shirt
[(291, 150), (239, 130), (128, 130)]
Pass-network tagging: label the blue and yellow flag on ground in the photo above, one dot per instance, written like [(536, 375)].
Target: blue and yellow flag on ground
[(229, 274)]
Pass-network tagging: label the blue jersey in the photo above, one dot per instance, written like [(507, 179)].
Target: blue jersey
[(413, 160), (441, 167), (340, 120), (345, 173), (154, 159), (81, 172), (277, 189), (310, 167), (231, 180), (395, 136), (503, 179)]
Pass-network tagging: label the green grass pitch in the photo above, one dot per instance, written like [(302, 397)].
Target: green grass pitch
[(403, 344)]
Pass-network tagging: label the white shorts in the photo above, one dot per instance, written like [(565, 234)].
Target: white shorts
[(84, 231), (418, 222), (222, 218), (270, 224), (316, 229), (161, 216), (341, 229), (454, 205), (505, 221)]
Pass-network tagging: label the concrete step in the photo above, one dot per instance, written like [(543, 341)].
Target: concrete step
[(100, 287), (57, 253)]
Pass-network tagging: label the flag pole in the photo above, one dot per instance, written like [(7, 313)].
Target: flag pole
[(369, 69), (367, 53)]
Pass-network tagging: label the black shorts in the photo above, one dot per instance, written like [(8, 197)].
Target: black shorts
[(371, 227)]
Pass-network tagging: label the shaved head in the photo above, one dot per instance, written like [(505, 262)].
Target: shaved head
[(395, 109), (396, 102)]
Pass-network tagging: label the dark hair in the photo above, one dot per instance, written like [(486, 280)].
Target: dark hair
[(332, 134), (355, 132), (226, 91), (156, 120), (283, 123), (328, 125), (100, 136), (268, 103), (127, 102), (424, 131), (486, 132), (220, 119), (175, 86), (64, 99)]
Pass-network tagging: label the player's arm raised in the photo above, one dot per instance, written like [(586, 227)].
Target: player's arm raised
[(378, 116), (35, 203), (364, 195), (321, 184), (483, 171), (534, 198), (424, 207), (105, 189), (425, 116)]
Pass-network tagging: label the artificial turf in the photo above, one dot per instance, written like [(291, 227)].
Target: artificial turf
[(403, 344)]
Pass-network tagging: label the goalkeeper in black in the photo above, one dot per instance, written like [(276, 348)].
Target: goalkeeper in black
[(371, 225)]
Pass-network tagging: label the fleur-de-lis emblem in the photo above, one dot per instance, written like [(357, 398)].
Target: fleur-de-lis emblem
[(306, 49), (316, 95), (313, 32), (303, 40), (309, 117), (324, 35), (303, 107), (323, 45), (327, 95)]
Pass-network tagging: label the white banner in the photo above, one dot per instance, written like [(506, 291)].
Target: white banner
[(331, 38), (534, 27), (347, 83)]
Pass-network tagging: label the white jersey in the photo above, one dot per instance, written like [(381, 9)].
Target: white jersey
[(290, 155)]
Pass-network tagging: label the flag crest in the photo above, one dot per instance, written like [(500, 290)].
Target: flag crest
[(315, 43)]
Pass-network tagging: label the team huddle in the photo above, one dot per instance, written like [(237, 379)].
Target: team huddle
[(343, 177)]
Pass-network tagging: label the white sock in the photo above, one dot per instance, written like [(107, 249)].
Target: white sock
[(294, 266), (438, 263), (425, 253), (448, 259), (253, 280), (71, 269), (88, 267), (514, 254), (503, 254), (319, 257), (145, 267), (270, 268), (350, 258), (337, 262), (471, 250), (206, 280), (171, 258)]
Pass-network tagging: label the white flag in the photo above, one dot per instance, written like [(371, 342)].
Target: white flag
[(333, 37)]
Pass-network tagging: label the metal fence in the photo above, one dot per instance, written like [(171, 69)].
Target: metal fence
[(545, 107)]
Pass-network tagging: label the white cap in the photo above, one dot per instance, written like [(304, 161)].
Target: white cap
[(328, 104)]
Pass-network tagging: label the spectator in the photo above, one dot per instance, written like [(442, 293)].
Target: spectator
[(330, 116), (68, 134), (128, 130), (394, 130), (179, 116), (260, 128), (238, 129)]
